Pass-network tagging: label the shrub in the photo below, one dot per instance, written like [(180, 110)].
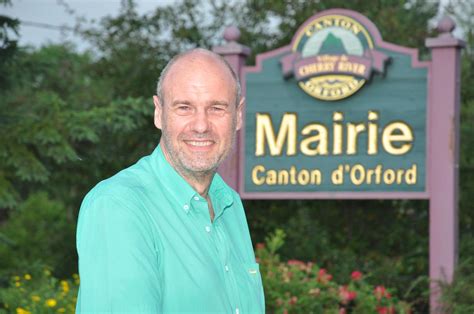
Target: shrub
[(38, 232), (457, 297), (39, 293), (304, 287)]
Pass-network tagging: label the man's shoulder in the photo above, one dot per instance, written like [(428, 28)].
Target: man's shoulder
[(222, 185), (125, 186)]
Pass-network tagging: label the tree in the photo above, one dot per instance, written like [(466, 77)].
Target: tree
[(8, 46)]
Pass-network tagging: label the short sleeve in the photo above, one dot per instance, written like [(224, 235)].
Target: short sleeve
[(118, 262)]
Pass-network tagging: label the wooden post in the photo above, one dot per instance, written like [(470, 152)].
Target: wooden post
[(444, 99), (235, 54)]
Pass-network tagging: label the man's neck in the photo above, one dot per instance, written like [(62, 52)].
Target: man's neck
[(199, 181)]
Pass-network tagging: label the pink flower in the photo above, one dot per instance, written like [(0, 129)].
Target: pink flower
[(323, 276), (342, 310), (356, 275), (295, 262), (381, 292), (386, 310), (260, 246), (346, 295), (293, 300)]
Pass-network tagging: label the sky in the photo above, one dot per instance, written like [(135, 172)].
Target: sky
[(51, 12)]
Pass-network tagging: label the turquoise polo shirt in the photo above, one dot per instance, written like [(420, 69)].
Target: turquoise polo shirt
[(146, 244)]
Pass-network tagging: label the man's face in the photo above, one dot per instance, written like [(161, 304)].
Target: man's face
[(198, 115)]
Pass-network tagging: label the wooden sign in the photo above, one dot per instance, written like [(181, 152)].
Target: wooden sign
[(336, 111)]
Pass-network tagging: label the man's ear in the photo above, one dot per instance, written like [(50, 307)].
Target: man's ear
[(240, 109), (158, 111)]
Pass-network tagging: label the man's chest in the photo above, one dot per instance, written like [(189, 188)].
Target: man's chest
[(204, 265)]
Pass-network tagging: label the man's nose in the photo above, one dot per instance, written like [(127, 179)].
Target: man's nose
[(201, 123)]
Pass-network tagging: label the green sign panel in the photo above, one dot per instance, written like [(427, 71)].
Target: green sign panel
[(338, 110)]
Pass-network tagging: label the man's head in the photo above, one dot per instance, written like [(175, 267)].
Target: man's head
[(198, 107)]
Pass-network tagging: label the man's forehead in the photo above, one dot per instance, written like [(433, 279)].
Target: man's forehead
[(199, 62), (200, 69)]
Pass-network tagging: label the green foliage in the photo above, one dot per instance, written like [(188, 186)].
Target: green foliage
[(40, 293), (304, 287), (55, 131), (8, 45), (394, 252), (38, 232), (457, 297)]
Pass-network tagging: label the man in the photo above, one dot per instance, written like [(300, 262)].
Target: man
[(167, 235)]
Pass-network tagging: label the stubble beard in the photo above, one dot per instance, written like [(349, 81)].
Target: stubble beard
[(197, 165)]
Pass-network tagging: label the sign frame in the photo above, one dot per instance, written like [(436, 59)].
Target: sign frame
[(379, 42)]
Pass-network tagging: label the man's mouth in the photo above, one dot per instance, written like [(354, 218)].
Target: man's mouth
[(199, 143)]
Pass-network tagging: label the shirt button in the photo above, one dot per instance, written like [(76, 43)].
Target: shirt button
[(186, 206), (226, 268), (208, 229), (196, 198)]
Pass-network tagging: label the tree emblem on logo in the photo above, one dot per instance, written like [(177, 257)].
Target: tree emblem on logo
[(332, 57)]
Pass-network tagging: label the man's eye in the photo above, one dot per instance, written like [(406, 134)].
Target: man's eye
[(217, 109), (183, 109)]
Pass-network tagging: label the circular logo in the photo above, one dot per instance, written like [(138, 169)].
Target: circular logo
[(334, 57)]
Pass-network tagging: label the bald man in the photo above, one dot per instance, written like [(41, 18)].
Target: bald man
[(167, 235)]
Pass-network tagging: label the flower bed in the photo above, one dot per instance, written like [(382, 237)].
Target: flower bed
[(304, 287), (40, 293)]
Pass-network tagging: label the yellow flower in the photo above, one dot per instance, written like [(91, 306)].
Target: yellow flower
[(17, 284), (51, 303), (27, 276), (61, 310), (35, 298), (16, 278), (76, 279), (20, 310), (65, 286)]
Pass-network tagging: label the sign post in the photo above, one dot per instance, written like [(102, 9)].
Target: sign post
[(444, 153), (235, 54), (341, 114)]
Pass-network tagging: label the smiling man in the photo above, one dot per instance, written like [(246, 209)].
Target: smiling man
[(167, 235)]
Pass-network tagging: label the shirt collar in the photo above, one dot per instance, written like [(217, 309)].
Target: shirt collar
[(221, 195), (219, 192)]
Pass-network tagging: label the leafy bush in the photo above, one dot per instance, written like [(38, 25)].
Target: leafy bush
[(39, 293), (304, 287), (333, 234), (457, 297), (38, 232)]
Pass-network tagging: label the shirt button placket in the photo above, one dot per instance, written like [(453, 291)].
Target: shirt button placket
[(229, 273)]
